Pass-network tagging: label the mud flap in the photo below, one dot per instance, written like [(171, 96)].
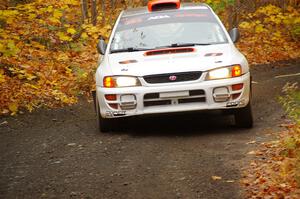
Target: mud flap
[(94, 99)]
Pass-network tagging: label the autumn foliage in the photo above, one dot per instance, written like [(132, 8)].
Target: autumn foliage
[(48, 55), (48, 59), (270, 34), (275, 171)]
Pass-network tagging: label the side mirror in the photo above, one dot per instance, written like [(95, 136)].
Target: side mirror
[(234, 35), (101, 46)]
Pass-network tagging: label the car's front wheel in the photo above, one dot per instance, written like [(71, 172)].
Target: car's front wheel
[(104, 125), (243, 117)]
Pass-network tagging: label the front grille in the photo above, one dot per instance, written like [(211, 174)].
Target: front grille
[(154, 99), (191, 100), (157, 103), (172, 77), (151, 96), (196, 92)]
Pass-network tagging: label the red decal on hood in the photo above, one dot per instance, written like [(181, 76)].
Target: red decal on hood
[(169, 51)]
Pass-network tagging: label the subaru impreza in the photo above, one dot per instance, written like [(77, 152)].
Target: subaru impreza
[(171, 57)]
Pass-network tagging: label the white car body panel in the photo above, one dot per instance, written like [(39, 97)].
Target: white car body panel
[(207, 86), (109, 65), (182, 62)]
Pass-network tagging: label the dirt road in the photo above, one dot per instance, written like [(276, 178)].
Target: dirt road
[(60, 154)]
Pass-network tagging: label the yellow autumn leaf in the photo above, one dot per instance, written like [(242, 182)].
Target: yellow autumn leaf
[(57, 14), (84, 35), (2, 76), (287, 21), (36, 87), (245, 25), (30, 76), (83, 75), (37, 45), (92, 30), (71, 31), (259, 28), (297, 20), (29, 107), (63, 57), (63, 37), (13, 107), (32, 16), (2, 47), (277, 21), (107, 27), (277, 34), (68, 70), (54, 20), (71, 2), (49, 8), (8, 14)]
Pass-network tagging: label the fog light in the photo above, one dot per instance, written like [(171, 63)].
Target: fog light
[(237, 87), (111, 97), (114, 106), (128, 102), (221, 94), (236, 95)]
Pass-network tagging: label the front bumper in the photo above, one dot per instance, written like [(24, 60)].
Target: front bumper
[(170, 98)]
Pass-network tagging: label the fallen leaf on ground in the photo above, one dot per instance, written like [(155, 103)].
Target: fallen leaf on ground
[(3, 123), (230, 181), (216, 177), (13, 107), (251, 153), (251, 142)]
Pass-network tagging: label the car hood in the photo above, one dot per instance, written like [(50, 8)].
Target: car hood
[(203, 58)]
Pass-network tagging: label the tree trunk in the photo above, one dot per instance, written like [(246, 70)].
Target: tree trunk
[(94, 12), (230, 15), (237, 13), (84, 10), (103, 11), (112, 7)]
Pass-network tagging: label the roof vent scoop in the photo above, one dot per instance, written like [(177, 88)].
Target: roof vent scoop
[(157, 5)]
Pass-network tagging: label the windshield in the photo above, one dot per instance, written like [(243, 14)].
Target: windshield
[(167, 29)]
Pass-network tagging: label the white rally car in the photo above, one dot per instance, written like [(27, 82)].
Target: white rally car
[(171, 57)]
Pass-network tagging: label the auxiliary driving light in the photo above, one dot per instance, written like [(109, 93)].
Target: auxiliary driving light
[(221, 94)]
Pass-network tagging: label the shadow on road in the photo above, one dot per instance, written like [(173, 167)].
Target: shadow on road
[(189, 124)]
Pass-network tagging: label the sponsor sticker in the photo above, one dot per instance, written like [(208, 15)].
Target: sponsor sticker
[(114, 113)]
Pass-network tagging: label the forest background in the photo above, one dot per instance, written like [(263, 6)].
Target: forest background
[(48, 59), (48, 48)]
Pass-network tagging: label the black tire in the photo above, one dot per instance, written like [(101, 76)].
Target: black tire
[(243, 117), (104, 125)]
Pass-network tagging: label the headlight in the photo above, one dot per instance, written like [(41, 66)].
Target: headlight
[(224, 72), (120, 81)]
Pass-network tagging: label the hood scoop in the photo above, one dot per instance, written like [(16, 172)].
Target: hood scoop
[(213, 54), (169, 51), (131, 61)]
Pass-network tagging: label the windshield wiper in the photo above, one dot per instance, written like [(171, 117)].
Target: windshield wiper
[(131, 49), (183, 45)]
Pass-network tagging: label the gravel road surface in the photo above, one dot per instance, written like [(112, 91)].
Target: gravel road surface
[(59, 153)]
